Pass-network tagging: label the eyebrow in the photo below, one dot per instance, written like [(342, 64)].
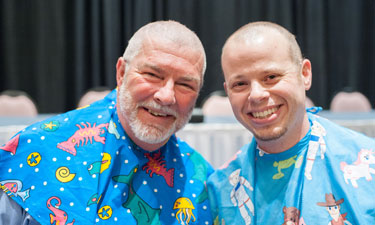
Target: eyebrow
[(187, 77), (153, 67), (237, 76), (267, 70)]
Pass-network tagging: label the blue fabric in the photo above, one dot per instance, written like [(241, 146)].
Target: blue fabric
[(331, 168), (81, 167)]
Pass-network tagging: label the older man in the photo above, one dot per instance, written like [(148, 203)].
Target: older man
[(296, 158), (117, 160)]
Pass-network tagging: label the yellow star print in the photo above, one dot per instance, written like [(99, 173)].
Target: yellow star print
[(49, 125)]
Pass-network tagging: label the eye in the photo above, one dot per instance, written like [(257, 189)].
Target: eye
[(186, 85), (271, 77), (152, 75), (238, 84)]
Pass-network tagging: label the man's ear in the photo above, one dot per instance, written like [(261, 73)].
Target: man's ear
[(225, 87), (306, 74), (120, 71)]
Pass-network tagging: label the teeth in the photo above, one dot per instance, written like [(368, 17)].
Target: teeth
[(156, 113), (264, 114)]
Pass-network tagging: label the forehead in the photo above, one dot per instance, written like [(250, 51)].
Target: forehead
[(257, 45), (189, 53), (264, 51), (165, 53)]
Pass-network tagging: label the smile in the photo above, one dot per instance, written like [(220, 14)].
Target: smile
[(157, 113), (264, 114)]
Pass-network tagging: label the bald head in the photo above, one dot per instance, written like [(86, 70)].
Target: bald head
[(172, 31), (252, 31)]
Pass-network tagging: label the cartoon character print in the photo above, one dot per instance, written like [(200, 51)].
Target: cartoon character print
[(185, 210), (316, 141), (59, 216), (105, 212), (142, 212), (112, 129), (360, 168), (156, 165), (13, 189), (51, 126), (239, 197), (94, 199), (33, 159), (100, 166), (284, 164), (292, 216), (82, 136), (11, 146), (64, 175), (333, 208)]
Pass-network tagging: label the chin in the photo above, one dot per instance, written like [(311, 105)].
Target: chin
[(268, 135), (152, 134)]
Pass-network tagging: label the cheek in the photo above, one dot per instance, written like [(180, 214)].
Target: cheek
[(294, 90), (140, 90), (186, 102), (237, 102)]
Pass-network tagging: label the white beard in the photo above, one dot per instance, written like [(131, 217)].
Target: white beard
[(148, 132)]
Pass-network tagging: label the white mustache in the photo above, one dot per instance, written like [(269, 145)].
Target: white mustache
[(154, 106)]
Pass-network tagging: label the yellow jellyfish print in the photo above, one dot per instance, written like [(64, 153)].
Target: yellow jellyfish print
[(185, 210)]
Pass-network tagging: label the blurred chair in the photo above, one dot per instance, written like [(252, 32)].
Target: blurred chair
[(217, 104), (15, 103), (93, 95), (217, 108), (350, 102), (309, 103)]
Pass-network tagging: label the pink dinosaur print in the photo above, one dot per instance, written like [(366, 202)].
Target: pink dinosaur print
[(60, 216), (157, 165), (83, 135)]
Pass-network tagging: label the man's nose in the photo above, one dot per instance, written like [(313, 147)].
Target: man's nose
[(166, 95), (258, 93)]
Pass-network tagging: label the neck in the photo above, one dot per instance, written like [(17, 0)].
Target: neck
[(291, 137)]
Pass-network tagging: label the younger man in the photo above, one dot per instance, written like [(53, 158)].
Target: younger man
[(296, 158)]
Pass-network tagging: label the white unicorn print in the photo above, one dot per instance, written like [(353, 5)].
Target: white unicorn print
[(360, 168)]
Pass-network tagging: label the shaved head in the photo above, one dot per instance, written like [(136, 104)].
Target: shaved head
[(173, 31), (252, 31)]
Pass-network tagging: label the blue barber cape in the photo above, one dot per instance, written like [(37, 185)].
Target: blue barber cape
[(326, 178), (82, 168)]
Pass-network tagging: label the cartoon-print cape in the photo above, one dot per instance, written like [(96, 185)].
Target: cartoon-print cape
[(326, 178), (81, 168)]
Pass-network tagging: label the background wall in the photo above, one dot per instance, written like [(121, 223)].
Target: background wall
[(57, 49)]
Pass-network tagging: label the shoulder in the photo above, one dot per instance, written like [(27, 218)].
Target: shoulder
[(242, 160), (192, 155), (340, 134)]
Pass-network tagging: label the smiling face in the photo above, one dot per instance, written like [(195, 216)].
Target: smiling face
[(334, 211), (266, 88), (158, 93)]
